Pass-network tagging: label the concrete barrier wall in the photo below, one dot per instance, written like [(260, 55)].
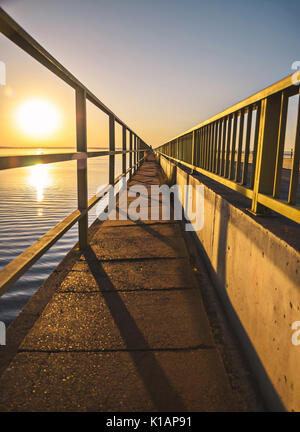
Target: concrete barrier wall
[(257, 277)]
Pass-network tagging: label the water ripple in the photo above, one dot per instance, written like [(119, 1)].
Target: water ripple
[(27, 211)]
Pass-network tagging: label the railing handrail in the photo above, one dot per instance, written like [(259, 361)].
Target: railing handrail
[(20, 161), (17, 267), (278, 86), (13, 31), (220, 149)]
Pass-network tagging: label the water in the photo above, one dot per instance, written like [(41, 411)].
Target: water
[(32, 201)]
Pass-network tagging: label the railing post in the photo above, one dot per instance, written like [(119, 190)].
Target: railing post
[(201, 144), (219, 146), (210, 147), (193, 151), (295, 163), (255, 145), (227, 158), (233, 145), (240, 146), (139, 147), (280, 143), (124, 150), (247, 147), (266, 156), (82, 189), (136, 156), (130, 153), (111, 148)]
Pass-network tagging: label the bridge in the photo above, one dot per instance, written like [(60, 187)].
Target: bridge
[(142, 315)]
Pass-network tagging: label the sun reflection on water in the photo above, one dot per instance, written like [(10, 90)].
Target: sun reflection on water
[(39, 178)]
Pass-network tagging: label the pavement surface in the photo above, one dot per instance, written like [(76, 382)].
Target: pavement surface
[(121, 327)]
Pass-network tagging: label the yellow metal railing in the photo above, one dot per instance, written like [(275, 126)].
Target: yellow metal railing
[(16, 268), (220, 149)]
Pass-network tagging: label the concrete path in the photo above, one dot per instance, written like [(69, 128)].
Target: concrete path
[(125, 330)]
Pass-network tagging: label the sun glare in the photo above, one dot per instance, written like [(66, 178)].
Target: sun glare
[(38, 118), (39, 179)]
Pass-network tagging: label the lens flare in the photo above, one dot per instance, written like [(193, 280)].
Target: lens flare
[(38, 118)]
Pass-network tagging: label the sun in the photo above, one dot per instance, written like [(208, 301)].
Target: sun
[(38, 118)]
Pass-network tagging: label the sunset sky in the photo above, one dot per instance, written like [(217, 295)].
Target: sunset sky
[(161, 65)]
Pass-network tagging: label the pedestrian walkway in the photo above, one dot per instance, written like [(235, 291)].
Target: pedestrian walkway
[(126, 329)]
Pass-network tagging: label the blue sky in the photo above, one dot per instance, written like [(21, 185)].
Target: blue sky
[(165, 65)]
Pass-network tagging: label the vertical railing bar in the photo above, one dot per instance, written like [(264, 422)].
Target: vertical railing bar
[(215, 146), (255, 144), (219, 146), (136, 155), (212, 132), (139, 147), (124, 149), (228, 146), (233, 146), (211, 146), (262, 120), (295, 162), (139, 154), (223, 146), (130, 152), (266, 156), (196, 148), (247, 147), (192, 149), (204, 146), (240, 146), (111, 148), (201, 147), (280, 143), (207, 147), (181, 148), (82, 186), (186, 150)]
